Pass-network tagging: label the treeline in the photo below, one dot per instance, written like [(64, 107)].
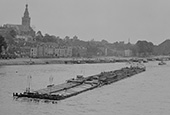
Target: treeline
[(92, 47), (141, 48)]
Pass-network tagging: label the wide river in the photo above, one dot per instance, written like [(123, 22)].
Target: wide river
[(147, 93)]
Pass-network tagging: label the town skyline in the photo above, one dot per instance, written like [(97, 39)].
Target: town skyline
[(94, 19)]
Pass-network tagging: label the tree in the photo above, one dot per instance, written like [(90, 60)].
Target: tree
[(39, 36), (67, 38), (92, 49), (104, 42), (48, 38), (75, 38), (12, 33), (2, 43), (144, 47)]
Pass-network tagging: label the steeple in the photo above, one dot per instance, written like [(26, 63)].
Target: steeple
[(26, 13), (26, 19)]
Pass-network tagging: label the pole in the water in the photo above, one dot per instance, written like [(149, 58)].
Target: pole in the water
[(29, 84), (51, 83), (51, 80)]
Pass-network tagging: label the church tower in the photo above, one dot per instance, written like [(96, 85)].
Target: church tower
[(26, 19)]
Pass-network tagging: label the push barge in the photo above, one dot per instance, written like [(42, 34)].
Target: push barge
[(80, 84)]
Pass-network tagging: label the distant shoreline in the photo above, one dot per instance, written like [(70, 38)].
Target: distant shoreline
[(44, 61), (41, 61), (27, 61)]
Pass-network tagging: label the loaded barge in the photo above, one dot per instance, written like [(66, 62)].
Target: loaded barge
[(80, 84)]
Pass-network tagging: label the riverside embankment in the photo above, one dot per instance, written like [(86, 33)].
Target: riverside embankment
[(34, 61), (40, 61), (28, 61)]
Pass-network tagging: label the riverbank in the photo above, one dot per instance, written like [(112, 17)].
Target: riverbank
[(28, 61), (34, 61), (39, 61)]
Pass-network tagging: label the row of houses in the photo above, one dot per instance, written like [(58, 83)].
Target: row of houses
[(46, 50)]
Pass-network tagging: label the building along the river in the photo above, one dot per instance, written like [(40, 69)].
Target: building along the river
[(50, 50)]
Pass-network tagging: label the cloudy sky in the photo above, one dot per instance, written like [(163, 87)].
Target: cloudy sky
[(112, 20)]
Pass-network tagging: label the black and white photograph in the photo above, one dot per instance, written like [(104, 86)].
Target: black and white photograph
[(84, 57)]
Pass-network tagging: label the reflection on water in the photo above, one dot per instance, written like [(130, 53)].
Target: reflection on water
[(143, 94)]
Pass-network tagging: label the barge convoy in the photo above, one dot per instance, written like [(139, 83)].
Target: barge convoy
[(80, 84)]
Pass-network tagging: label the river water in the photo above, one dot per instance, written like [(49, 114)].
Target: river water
[(147, 93)]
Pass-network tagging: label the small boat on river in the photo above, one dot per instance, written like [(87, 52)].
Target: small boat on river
[(162, 63)]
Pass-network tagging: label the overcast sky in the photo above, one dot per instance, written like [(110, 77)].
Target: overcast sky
[(112, 20)]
